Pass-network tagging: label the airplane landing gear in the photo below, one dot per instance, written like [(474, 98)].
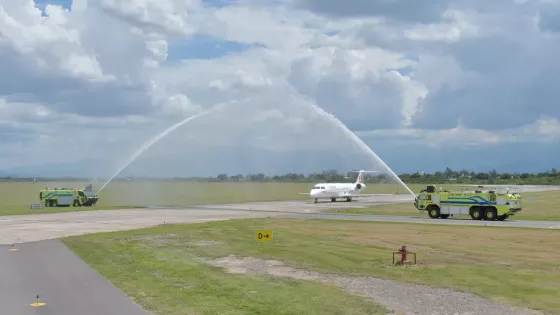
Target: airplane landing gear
[(349, 199), (333, 199), (315, 200)]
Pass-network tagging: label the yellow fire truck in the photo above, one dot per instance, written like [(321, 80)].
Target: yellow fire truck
[(65, 197), (480, 205)]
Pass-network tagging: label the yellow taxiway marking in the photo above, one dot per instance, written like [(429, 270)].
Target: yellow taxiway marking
[(307, 210)]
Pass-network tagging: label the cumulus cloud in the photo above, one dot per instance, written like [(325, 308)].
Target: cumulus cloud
[(544, 130), (407, 10), (500, 84), (83, 62), (361, 87), (161, 17), (481, 72)]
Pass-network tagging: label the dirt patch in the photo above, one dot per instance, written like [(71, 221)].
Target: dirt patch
[(400, 298)]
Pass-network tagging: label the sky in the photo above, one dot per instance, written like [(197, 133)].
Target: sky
[(84, 84)]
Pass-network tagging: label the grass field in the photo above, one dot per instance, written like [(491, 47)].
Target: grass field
[(16, 197), (546, 206), (163, 270)]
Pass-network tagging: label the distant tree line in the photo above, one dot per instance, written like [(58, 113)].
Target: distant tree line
[(324, 176), (464, 176), (551, 177), (448, 175)]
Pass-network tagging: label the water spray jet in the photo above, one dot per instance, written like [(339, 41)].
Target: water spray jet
[(310, 104), (356, 139), (150, 143)]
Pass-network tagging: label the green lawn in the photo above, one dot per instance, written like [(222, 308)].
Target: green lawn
[(546, 206), (16, 197), (162, 268)]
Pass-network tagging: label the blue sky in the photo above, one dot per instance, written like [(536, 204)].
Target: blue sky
[(464, 84), (202, 47), (41, 4)]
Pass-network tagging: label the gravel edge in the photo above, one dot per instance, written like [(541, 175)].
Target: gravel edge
[(399, 298)]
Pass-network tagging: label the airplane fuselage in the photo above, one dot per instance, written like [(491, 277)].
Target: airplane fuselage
[(339, 190), (336, 190)]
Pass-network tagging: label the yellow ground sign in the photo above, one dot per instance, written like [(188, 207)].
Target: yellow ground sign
[(263, 235)]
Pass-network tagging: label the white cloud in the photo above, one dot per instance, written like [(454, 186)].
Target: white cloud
[(163, 16), (544, 130), (475, 71), (359, 86), (454, 27), (49, 44)]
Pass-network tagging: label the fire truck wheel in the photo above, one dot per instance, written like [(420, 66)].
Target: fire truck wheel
[(476, 214), (490, 214), (433, 212)]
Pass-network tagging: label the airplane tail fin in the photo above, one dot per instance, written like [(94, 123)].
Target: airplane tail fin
[(360, 179)]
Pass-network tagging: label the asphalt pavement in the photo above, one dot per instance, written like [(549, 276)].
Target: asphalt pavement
[(64, 283)]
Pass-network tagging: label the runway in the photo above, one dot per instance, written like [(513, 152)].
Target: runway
[(43, 265)]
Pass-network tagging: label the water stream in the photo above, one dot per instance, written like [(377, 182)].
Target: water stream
[(357, 140), (337, 123), (153, 141)]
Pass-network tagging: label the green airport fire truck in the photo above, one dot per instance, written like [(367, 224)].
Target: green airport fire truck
[(480, 205), (65, 197)]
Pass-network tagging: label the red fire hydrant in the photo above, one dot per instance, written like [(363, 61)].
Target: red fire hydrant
[(403, 252)]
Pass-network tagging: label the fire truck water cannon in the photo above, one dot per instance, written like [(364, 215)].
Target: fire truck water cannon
[(479, 204)]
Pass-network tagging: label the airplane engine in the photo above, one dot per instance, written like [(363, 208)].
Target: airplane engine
[(358, 186)]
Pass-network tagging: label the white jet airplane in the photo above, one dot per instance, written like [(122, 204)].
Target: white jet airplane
[(340, 190)]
